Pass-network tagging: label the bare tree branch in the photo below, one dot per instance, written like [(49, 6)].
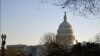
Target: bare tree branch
[(83, 7), (97, 38), (51, 47)]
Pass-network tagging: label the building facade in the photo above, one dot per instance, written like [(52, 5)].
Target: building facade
[(21, 50), (15, 50), (30, 51)]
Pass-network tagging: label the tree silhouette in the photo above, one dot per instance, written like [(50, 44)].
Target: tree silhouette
[(89, 49), (83, 7), (97, 38), (51, 47)]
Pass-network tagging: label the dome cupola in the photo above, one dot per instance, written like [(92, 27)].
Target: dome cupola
[(65, 32)]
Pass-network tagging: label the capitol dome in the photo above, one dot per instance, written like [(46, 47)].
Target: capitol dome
[(65, 32)]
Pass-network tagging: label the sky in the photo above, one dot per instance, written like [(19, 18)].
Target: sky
[(26, 21)]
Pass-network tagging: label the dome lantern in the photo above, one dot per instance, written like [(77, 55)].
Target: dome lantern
[(65, 17)]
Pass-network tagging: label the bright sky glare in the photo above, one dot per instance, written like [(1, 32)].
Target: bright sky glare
[(25, 21)]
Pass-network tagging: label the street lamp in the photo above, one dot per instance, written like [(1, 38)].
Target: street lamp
[(3, 36)]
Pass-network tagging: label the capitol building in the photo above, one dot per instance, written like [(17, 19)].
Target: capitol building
[(65, 33), (64, 36)]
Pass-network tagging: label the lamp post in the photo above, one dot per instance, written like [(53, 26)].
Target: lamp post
[(3, 36)]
